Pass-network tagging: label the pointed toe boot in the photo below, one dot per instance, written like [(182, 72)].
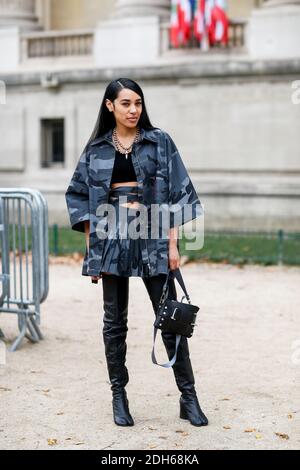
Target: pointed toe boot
[(191, 410), (115, 306), (122, 416), (182, 368)]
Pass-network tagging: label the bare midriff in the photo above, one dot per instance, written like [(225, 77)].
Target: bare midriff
[(134, 204)]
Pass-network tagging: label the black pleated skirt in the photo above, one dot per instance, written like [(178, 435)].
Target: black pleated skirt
[(122, 254)]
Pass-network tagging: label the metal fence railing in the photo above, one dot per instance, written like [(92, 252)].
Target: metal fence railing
[(24, 254)]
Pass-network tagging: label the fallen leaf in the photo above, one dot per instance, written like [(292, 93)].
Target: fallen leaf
[(152, 446), (225, 399), (258, 436), (162, 437), (282, 436), (4, 389), (79, 443), (60, 413), (290, 416), (226, 427), (52, 442), (250, 430)]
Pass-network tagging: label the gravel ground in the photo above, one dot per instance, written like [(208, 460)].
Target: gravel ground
[(245, 353)]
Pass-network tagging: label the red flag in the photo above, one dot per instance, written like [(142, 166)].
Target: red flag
[(217, 23), (199, 19), (174, 29), (185, 19)]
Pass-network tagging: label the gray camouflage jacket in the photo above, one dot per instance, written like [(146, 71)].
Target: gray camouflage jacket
[(163, 182)]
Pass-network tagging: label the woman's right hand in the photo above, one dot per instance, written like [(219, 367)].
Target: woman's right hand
[(96, 278), (87, 231)]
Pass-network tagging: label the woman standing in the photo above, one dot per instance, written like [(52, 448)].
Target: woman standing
[(127, 168)]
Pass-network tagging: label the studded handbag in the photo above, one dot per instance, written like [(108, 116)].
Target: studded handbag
[(174, 316)]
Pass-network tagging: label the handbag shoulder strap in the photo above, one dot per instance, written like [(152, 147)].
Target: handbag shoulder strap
[(179, 278), (171, 361), (177, 275)]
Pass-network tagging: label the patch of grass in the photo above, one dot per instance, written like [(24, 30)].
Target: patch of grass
[(243, 248), (231, 247), (68, 241)]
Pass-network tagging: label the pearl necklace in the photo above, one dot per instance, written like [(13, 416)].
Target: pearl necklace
[(119, 145)]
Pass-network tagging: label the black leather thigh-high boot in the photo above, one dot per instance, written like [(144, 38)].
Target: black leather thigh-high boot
[(115, 306), (183, 371)]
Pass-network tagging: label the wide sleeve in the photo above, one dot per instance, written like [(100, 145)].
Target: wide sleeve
[(77, 194), (184, 203)]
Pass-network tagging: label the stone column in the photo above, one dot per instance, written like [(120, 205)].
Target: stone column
[(274, 30), (129, 8), (133, 33), (16, 17), (43, 12), (19, 13)]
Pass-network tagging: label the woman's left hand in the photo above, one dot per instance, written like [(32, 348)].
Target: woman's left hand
[(174, 257)]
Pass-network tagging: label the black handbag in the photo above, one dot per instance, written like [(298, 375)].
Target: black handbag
[(174, 316)]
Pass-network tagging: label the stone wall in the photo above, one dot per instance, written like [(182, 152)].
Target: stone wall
[(236, 127)]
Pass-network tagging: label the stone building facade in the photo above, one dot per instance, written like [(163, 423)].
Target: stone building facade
[(234, 113)]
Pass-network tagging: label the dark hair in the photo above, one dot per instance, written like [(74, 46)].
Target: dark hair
[(106, 119)]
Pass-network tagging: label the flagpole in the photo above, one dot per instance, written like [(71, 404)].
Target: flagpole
[(204, 41)]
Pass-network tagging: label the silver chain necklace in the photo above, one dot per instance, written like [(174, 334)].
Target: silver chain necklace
[(118, 145)]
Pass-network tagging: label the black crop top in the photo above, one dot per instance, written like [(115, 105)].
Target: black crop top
[(123, 170)]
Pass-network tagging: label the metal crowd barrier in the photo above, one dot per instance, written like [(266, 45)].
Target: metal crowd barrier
[(24, 250)]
